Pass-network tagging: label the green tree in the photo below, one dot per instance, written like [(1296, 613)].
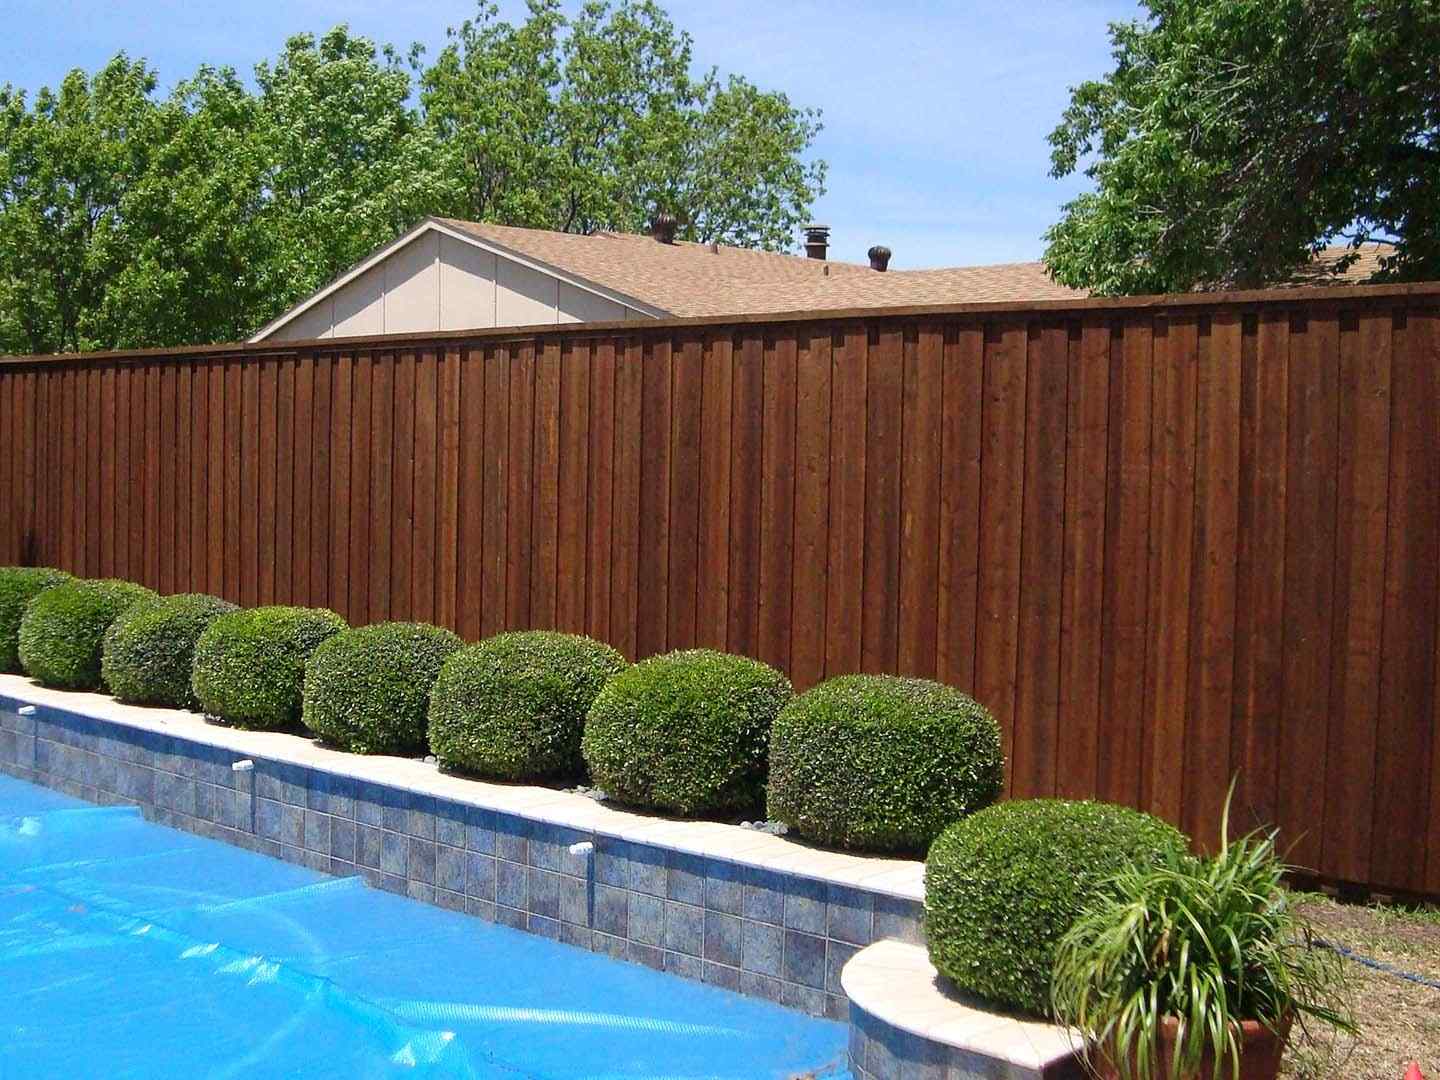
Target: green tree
[(65, 164), (1233, 140), (593, 123)]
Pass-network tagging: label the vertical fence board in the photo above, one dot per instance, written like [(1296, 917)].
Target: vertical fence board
[(545, 523), (572, 488), (847, 501), (747, 419), (285, 479), (880, 572), (959, 569), (522, 435), (486, 395), (812, 507), (774, 629), (683, 579), (423, 549), (600, 491), (447, 526), (629, 372), (1042, 546), (402, 489), (342, 491), (365, 383), (304, 504), (920, 501), (713, 606)]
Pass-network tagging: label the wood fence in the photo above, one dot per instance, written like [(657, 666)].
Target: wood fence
[(1165, 541)]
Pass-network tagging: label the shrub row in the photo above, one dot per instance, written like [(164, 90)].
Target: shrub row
[(868, 762)]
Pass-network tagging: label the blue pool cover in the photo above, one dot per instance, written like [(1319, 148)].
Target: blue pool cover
[(132, 950)]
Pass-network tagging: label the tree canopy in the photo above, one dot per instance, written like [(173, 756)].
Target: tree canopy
[(129, 217), (1233, 140)]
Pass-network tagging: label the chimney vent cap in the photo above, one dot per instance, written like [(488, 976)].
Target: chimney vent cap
[(663, 227), (817, 241), (879, 258)]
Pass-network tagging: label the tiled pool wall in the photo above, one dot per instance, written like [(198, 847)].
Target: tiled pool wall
[(767, 934), (881, 1051)]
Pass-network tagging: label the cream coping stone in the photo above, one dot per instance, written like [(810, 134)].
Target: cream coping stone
[(901, 878), (896, 983)]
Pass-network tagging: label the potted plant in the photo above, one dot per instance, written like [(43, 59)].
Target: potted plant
[(1195, 969)]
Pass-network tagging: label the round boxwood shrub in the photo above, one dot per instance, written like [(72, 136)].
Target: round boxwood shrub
[(150, 649), (250, 665), (18, 586), (513, 707), (367, 690), (1004, 885), (685, 732), (63, 630), (882, 763)]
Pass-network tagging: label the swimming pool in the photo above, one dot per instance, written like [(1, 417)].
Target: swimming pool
[(128, 949)]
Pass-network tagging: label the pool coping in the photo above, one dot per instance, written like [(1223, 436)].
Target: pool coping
[(904, 1016), (903, 879)]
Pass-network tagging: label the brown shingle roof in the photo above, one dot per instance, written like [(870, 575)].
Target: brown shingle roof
[(685, 279)]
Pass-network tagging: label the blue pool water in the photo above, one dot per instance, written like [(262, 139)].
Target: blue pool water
[(132, 950)]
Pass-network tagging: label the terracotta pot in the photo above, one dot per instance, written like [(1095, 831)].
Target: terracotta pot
[(1260, 1053)]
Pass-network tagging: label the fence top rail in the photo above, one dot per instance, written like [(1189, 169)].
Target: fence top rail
[(1112, 306)]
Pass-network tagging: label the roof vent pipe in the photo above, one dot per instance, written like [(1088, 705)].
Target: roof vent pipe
[(663, 227), (817, 240), (879, 258)]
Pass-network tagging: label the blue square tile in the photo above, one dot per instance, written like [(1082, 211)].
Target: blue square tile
[(342, 839), (727, 978), (393, 855), (420, 890), (480, 909), (451, 901), (267, 819), (898, 919), (544, 893), (512, 917), (684, 965), (805, 905), (637, 952), (204, 801), (317, 831), (805, 999), (753, 984), (512, 838), (837, 955), (762, 948), (648, 872), (420, 862), (420, 817), (544, 926), (292, 825), (574, 900), (725, 890), (480, 830), (612, 862), (684, 928), (723, 938), (370, 805), (396, 808), (686, 877), (764, 896), (851, 915), (367, 846), (511, 884), (646, 918), (480, 876), (804, 959), (580, 936), (450, 868), (450, 823), (611, 907)]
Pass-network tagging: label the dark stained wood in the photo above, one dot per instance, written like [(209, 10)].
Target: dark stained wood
[(1168, 542), (424, 500), (652, 573), (687, 382), (920, 477), (1002, 467), (1042, 546), (572, 495), (1309, 579), (1081, 723), (846, 557), (959, 562), (1361, 504), (812, 507), (880, 574), (713, 605), (1127, 555), (774, 623)]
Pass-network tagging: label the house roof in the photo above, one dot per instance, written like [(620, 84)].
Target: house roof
[(685, 279)]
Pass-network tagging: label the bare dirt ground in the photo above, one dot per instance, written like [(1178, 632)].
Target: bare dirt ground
[(1399, 1021)]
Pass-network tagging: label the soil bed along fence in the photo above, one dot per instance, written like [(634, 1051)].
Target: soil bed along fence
[(1166, 540)]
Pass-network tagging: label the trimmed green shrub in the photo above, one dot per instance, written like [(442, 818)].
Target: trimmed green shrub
[(367, 690), (63, 630), (513, 707), (250, 665), (150, 649), (882, 763), (18, 586), (685, 732), (1003, 886)]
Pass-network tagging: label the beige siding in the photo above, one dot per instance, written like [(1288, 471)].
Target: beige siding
[(437, 282), (467, 285)]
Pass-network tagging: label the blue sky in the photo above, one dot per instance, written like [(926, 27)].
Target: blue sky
[(935, 113)]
